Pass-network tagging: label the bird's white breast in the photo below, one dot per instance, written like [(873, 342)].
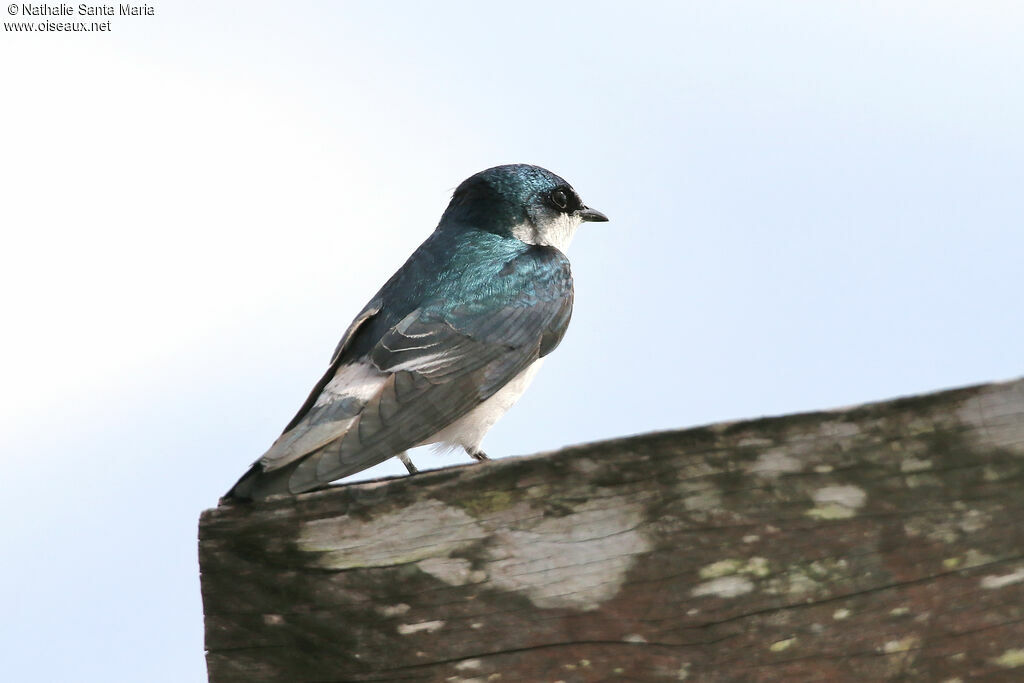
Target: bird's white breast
[(469, 430), (557, 233)]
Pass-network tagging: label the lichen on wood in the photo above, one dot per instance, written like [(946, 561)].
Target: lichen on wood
[(875, 542)]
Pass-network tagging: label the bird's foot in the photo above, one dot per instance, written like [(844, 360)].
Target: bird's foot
[(404, 457), (479, 456)]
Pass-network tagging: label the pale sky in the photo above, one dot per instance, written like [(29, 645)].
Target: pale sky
[(812, 205)]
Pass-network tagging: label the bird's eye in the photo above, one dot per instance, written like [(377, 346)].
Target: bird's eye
[(559, 199)]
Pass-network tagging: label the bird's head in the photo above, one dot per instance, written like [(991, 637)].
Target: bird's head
[(527, 202)]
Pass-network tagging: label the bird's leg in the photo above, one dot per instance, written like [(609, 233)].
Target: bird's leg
[(478, 455), (404, 457)]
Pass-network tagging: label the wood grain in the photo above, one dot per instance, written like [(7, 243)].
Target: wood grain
[(879, 542)]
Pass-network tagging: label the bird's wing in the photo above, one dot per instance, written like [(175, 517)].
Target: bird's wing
[(432, 367), (371, 309)]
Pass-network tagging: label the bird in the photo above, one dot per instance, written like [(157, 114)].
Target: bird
[(447, 345)]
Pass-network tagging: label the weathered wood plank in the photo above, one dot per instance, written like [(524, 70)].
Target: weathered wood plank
[(878, 542)]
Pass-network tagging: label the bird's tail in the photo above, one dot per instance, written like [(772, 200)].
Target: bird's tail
[(256, 484), (301, 475)]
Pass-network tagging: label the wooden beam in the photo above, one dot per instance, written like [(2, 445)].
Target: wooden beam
[(879, 542)]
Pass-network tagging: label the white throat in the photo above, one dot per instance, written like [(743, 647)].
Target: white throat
[(557, 233)]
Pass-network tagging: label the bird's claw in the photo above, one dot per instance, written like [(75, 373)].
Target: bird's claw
[(404, 457)]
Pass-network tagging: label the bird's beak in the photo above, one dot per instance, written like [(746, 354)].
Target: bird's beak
[(592, 215)]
